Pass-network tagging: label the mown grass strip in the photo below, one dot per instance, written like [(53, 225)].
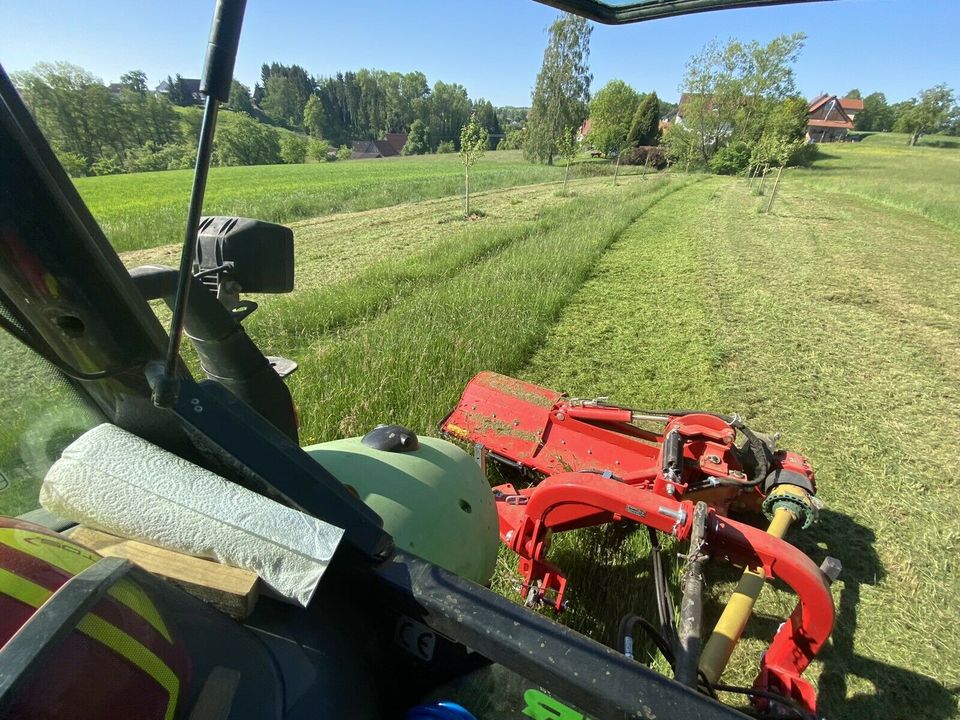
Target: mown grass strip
[(409, 364), (294, 322), (814, 321), (853, 354), (636, 333)]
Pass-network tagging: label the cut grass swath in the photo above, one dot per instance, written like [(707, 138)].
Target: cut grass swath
[(408, 364)]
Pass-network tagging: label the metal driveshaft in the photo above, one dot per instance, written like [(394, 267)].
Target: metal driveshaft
[(733, 620)]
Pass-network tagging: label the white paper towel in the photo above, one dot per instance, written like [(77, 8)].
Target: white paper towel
[(119, 483)]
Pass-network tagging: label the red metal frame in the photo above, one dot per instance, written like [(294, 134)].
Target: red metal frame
[(599, 467)]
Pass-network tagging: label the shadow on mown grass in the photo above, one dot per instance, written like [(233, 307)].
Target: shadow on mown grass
[(898, 692), (949, 144), (609, 573)]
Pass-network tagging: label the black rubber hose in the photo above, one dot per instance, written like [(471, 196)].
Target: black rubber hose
[(627, 625), (665, 612)]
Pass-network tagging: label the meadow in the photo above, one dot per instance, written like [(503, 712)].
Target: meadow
[(144, 210), (834, 319)]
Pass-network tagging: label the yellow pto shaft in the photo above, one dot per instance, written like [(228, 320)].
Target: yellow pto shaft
[(730, 626)]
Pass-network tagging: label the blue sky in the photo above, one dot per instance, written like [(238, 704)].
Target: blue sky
[(493, 47)]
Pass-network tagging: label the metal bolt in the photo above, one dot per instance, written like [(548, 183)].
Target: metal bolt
[(671, 490), (509, 536), (194, 401), (561, 416), (715, 459), (198, 408)]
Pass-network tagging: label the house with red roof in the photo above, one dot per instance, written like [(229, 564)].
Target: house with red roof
[(852, 107), (827, 121)]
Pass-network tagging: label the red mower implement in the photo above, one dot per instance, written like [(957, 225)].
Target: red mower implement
[(678, 472)]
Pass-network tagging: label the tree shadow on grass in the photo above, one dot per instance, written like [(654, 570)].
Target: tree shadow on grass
[(897, 692)]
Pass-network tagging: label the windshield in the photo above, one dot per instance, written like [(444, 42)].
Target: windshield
[(42, 414)]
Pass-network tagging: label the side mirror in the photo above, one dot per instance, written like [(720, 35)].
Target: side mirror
[(256, 255), (237, 255)]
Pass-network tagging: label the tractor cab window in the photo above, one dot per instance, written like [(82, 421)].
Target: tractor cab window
[(42, 414)]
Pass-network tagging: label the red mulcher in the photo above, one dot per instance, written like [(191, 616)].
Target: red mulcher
[(594, 463)]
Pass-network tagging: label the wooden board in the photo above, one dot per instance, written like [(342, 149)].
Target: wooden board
[(231, 590)]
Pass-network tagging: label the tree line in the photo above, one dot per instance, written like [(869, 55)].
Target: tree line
[(289, 115), (934, 110)]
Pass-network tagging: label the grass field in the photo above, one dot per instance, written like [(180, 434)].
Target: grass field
[(835, 319), (144, 210), (883, 169)]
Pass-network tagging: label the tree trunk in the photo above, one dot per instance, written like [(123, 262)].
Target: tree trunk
[(566, 175), (616, 169), (466, 195), (914, 138)]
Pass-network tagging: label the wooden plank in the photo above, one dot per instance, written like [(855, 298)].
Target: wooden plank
[(231, 590)]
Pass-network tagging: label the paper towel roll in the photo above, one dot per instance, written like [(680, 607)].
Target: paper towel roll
[(111, 480)]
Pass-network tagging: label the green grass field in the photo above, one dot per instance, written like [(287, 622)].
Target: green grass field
[(884, 169), (143, 210), (834, 319)]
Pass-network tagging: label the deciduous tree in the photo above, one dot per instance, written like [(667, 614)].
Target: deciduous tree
[(733, 89), (473, 143), (418, 139), (314, 117), (928, 113), (240, 98), (567, 149), (876, 116), (135, 81), (293, 148), (611, 112), (244, 141), (562, 90)]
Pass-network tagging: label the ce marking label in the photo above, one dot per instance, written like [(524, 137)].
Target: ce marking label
[(416, 638)]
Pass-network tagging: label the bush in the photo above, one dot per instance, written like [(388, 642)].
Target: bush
[(681, 147), (74, 164), (344, 152), (320, 150), (731, 159), (514, 139), (106, 166), (804, 155), (643, 155), (446, 146), (151, 157), (244, 141), (293, 149)]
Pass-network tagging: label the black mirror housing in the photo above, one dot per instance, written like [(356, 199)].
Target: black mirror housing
[(257, 255)]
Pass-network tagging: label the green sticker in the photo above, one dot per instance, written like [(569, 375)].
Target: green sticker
[(541, 706)]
